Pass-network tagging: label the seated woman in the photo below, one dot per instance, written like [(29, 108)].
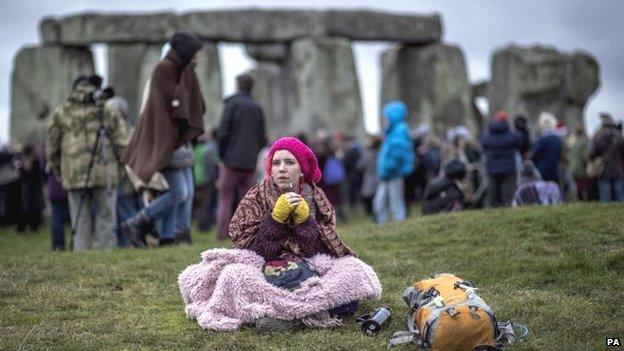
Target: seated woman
[(285, 228), (287, 216), (533, 190), (445, 193)]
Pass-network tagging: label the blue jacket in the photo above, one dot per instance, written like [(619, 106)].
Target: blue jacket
[(500, 145), (547, 155), (396, 155)]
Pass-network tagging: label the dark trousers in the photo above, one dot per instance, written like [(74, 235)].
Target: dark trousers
[(233, 185), (204, 208), (128, 205), (30, 220), (60, 219), (368, 204), (501, 188)]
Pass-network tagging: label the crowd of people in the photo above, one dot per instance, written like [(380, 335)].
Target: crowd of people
[(119, 184)]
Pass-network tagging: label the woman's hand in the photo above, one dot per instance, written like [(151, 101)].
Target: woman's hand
[(301, 212), (294, 199), (283, 207)]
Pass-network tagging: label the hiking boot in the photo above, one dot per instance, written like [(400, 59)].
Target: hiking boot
[(135, 229), (152, 240), (183, 237), (268, 324)]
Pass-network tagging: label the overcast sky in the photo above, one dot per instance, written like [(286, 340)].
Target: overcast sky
[(478, 27)]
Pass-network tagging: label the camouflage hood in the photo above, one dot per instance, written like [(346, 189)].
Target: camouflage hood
[(81, 95)]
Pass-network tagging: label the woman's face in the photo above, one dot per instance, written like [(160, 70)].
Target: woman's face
[(285, 171)]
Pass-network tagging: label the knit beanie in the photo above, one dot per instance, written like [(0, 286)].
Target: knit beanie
[(501, 116), (546, 121), (304, 155), (186, 44)]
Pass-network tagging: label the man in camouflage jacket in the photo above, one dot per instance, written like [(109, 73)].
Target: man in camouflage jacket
[(70, 139)]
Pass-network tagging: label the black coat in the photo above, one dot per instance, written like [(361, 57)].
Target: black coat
[(442, 195), (608, 144), (241, 134), (500, 146)]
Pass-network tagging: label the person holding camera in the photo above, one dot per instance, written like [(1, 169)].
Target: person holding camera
[(83, 158)]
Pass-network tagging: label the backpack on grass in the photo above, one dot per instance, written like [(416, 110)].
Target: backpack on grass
[(447, 314)]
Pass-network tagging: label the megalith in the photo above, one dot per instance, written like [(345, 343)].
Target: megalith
[(433, 82), (129, 68), (273, 93), (41, 80), (241, 25), (529, 80), (273, 85), (325, 86), (208, 72)]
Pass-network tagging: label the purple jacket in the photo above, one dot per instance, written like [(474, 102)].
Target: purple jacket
[(272, 235), (55, 189)]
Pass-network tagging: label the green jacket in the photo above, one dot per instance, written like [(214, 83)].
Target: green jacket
[(579, 154), (70, 139)]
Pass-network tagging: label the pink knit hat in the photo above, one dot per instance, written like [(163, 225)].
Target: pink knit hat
[(304, 155)]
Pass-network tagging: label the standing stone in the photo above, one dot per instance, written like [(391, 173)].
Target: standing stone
[(41, 80), (208, 72), (531, 80), (390, 82), (325, 86), (271, 90), (50, 31), (433, 82), (129, 68), (131, 65)]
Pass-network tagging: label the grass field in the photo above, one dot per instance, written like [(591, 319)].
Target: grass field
[(558, 270)]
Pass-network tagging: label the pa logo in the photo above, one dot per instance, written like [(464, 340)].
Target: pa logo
[(613, 342)]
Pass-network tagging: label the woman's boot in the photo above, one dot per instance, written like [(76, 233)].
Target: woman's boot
[(183, 237), (135, 229)]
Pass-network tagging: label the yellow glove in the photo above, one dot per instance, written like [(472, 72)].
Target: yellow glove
[(282, 209), (301, 212)]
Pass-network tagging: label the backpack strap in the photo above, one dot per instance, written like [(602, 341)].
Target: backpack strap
[(507, 335), (414, 299), (406, 337)]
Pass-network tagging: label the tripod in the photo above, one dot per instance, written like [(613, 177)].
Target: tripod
[(102, 134)]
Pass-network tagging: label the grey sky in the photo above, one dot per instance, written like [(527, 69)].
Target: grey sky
[(478, 27)]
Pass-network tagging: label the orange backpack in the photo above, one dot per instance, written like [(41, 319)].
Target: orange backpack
[(446, 314)]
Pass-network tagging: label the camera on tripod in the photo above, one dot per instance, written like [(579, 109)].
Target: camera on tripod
[(101, 95)]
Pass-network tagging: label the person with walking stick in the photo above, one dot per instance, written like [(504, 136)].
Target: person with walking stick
[(83, 142)]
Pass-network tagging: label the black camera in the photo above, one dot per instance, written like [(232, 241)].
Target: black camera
[(101, 95), (371, 323)]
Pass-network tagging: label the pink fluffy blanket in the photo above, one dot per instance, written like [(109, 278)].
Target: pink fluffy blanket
[(228, 289)]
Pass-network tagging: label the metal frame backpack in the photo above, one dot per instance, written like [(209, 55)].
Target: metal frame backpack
[(447, 314)]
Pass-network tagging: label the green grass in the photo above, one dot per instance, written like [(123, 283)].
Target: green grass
[(558, 270)]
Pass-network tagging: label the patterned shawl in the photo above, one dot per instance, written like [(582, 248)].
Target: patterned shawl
[(258, 203)]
